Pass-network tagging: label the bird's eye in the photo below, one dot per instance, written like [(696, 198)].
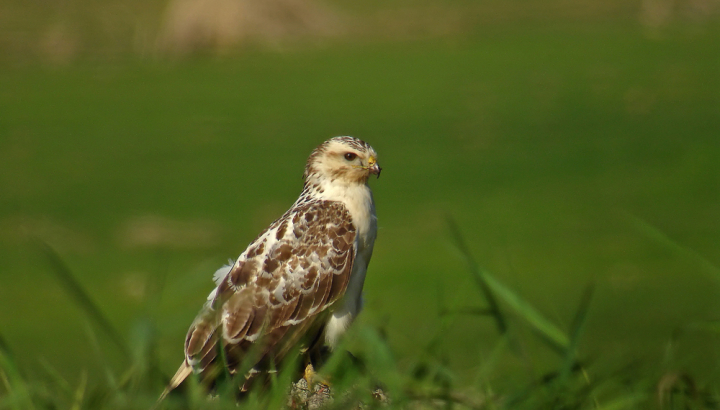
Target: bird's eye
[(350, 156)]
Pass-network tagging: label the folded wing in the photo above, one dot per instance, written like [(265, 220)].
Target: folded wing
[(278, 292)]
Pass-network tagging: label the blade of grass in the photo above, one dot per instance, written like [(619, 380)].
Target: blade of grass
[(112, 380), (479, 275), (576, 329), (143, 343), (55, 376), (80, 392), (492, 360), (18, 396), (381, 360), (661, 238), (281, 382), (551, 333), (491, 287), (80, 296)]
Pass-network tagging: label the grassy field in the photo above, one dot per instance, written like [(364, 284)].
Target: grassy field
[(569, 155)]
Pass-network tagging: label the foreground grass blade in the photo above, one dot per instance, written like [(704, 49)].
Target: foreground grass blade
[(480, 277), (18, 396), (283, 380), (80, 392), (660, 237), (491, 287), (55, 377), (547, 330), (81, 297), (576, 330)]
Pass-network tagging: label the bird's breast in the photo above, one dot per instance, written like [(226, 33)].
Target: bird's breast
[(358, 200)]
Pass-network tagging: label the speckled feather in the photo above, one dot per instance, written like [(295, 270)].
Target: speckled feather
[(295, 269), (300, 278)]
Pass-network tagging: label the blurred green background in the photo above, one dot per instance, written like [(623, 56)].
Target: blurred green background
[(572, 142)]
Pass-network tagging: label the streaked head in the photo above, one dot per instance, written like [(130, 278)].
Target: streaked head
[(346, 159)]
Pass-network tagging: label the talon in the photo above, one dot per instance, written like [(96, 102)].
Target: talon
[(311, 377), (309, 374)]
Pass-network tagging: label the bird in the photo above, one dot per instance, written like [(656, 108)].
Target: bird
[(299, 284)]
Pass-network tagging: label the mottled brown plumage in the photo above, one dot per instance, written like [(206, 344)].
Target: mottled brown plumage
[(300, 280)]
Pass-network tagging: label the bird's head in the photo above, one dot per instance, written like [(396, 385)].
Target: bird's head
[(344, 159)]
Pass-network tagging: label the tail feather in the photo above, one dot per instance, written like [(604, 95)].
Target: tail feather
[(183, 372)]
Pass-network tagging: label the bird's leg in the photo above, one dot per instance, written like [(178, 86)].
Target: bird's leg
[(309, 374), (312, 378)]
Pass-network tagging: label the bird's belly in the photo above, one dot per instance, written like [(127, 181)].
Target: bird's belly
[(336, 326), (350, 305)]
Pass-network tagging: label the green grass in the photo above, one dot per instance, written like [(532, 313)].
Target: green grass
[(569, 155)]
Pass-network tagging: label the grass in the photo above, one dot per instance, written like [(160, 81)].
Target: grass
[(426, 383), (571, 156)]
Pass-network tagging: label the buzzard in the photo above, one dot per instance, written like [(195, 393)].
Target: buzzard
[(300, 280)]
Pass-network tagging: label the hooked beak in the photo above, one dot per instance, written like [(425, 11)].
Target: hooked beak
[(373, 166)]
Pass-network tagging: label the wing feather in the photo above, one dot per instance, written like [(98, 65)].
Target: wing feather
[(238, 314), (201, 339), (275, 292)]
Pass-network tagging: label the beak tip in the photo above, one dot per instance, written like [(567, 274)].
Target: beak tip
[(375, 169)]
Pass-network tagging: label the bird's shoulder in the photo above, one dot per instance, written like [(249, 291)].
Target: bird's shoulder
[(311, 239)]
